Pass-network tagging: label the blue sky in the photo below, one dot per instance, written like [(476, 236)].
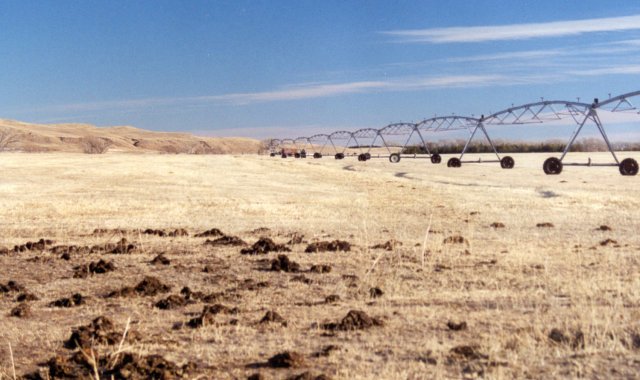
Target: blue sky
[(295, 68)]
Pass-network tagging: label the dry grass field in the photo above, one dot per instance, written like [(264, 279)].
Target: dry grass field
[(478, 271)]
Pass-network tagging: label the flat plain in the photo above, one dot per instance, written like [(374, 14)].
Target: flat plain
[(138, 266)]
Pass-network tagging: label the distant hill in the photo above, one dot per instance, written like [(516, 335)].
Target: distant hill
[(77, 137)]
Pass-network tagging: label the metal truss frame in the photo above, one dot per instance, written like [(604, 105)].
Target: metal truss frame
[(321, 140), (340, 136)]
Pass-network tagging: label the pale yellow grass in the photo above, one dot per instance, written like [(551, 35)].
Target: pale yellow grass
[(512, 285)]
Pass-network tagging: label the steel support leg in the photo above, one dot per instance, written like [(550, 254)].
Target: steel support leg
[(575, 134)]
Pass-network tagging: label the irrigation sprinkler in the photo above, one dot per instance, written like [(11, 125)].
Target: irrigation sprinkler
[(318, 143), (273, 147), (301, 144), (363, 136), (409, 136), (577, 113), (447, 124), (287, 149), (343, 138)]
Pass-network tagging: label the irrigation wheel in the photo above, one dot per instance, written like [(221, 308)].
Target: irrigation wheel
[(339, 156), (435, 158), (552, 166), (507, 162), (394, 158), (317, 155), (629, 166), (454, 162)]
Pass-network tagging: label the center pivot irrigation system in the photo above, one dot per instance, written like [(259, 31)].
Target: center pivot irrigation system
[(393, 140)]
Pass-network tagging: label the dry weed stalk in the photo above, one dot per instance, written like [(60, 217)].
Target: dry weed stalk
[(426, 238)]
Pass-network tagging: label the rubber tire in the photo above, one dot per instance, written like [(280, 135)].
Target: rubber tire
[(436, 158), (628, 166), (552, 166), (272, 154), (507, 162), (296, 155), (394, 158), (454, 162), (317, 155), (367, 156), (283, 155), (339, 156), (303, 155)]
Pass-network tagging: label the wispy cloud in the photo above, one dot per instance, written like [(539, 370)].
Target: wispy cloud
[(516, 31), (610, 70)]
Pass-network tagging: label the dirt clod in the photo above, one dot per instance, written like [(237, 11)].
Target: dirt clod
[(545, 225), (26, 296), (607, 242), (497, 225), (225, 241), (11, 286), (455, 239), (172, 302), (457, 326), (321, 268), (214, 232), (604, 227), (329, 246), (287, 359), (100, 331), (273, 317), (263, 246), (123, 247), (207, 317), (354, 320), (97, 267), (40, 245), (149, 286), (75, 300), (23, 310), (389, 245), (467, 352), (375, 292), (282, 263), (161, 259), (332, 298)]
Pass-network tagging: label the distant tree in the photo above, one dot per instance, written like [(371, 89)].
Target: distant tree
[(95, 145), (7, 138)]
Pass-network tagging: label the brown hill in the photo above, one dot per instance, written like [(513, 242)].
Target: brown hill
[(26, 137)]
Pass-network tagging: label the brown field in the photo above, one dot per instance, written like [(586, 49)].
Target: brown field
[(488, 273)]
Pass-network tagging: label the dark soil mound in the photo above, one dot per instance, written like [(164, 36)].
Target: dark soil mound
[(150, 231), (606, 242), (207, 317), (69, 249), (178, 232), (149, 286), (309, 376), (81, 365), (455, 239), (75, 300), (604, 227), (264, 246), (296, 238), (161, 259), (273, 317), (467, 352), (11, 286), (97, 267), (214, 232), (171, 302), (288, 359), (23, 310), (332, 298), (544, 225), (320, 268), (26, 296), (100, 331), (226, 241), (40, 245), (375, 292), (282, 263), (354, 320), (261, 230), (497, 225), (328, 246), (389, 245), (457, 326), (122, 247)]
